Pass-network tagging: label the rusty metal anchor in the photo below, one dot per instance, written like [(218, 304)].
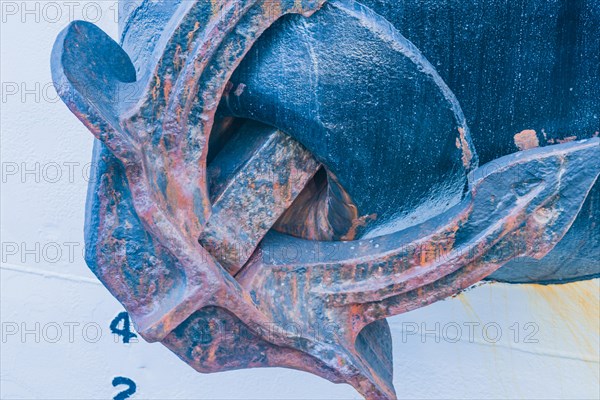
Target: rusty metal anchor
[(233, 259)]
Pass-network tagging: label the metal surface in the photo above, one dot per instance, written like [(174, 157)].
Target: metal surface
[(514, 66), (239, 244)]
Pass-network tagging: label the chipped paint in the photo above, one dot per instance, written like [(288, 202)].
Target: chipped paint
[(240, 89), (463, 144), (567, 139), (526, 139)]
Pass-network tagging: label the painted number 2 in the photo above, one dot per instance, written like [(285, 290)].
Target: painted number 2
[(125, 394)]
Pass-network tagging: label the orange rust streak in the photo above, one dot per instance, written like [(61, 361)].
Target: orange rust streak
[(167, 88), (578, 307)]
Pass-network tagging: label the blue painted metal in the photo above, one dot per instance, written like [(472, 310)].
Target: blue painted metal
[(357, 194)]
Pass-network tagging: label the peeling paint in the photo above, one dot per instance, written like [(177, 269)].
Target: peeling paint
[(467, 156), (526, 139)]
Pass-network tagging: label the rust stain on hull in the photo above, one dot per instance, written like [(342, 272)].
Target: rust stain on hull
[(577, 306)]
